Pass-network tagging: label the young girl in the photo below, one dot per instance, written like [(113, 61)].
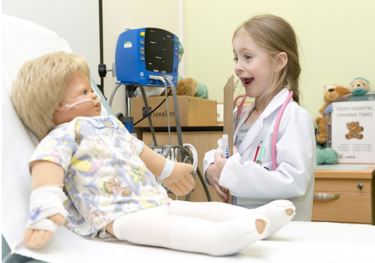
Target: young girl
[(89, 173), (266, 62)]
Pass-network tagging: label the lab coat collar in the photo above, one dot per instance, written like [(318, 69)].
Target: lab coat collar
[(254, 131), (275, 103)]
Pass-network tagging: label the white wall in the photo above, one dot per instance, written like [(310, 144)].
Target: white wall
[(336, 37), (121, 14), (337, 41), (75, 20)]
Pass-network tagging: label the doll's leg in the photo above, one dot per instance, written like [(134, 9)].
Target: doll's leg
[(279, 212), (156, 227), (214, 211)]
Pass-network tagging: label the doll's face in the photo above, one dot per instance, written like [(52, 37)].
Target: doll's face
[(79, 100)]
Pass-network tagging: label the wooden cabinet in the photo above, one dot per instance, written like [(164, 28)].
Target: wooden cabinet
[(344, 193), (203, 139)]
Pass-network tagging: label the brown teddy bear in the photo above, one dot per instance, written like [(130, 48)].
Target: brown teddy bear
[(187, 86), (192, 87), (332, 93), (354, 130)]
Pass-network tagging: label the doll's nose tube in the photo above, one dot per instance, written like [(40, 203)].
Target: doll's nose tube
[(75, 104)]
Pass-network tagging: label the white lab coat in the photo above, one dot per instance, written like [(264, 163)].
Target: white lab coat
[(253, 184)]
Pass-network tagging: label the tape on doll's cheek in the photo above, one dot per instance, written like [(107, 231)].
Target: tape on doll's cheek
[(75, 104)]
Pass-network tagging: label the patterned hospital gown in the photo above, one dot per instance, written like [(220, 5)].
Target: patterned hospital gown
[(104, 175)]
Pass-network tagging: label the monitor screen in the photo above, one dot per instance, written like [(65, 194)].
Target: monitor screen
[(159, 59)]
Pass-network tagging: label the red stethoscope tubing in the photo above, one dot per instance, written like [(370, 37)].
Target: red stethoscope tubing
[(275, 129)]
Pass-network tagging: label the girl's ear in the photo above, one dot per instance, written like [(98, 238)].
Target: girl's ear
[(281, 59)]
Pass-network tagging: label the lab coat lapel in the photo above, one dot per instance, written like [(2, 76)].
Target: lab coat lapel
[(256, 129), (250, 136), (275, 103)]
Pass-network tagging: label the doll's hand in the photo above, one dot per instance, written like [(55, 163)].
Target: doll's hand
[(39, 238), (181, 181), (36, 238)]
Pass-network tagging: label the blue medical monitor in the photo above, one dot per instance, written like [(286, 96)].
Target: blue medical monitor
[(145, 52)]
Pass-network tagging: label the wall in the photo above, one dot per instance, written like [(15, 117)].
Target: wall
[(336, 37), (337, 41), (121, 14), (75, 20)]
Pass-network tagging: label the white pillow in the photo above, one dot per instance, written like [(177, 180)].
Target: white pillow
[(21, 41)]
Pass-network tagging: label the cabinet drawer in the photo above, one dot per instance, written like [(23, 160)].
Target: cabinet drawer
[(346, 185), (346, 207)]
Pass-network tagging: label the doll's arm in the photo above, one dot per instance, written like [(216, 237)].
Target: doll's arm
[(46, 207), (178, 176)]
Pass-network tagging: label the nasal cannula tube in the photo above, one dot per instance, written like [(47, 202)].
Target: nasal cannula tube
[(73, 105)]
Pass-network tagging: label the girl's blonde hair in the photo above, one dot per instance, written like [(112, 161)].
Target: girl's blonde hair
[(41, 85), (274, 34)]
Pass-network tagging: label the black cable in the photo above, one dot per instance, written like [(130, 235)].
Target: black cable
[(150, 112)]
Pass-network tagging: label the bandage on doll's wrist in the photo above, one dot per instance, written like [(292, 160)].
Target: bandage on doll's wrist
[(167, 170), (45, 202), (43, 224)]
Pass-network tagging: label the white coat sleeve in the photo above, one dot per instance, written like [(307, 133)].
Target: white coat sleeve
[(209, 157), (295, 159)]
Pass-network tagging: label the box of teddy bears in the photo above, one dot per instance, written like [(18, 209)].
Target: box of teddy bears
[(194, 111), (353, 131)]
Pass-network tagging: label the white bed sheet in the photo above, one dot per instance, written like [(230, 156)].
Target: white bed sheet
[(297, 242), (301, 242)]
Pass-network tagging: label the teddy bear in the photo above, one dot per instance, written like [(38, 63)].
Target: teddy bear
[(359, 86), (354, 130), (332, 93), (192, 87)]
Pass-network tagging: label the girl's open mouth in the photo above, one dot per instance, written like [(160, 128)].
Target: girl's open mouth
[(247, 81)]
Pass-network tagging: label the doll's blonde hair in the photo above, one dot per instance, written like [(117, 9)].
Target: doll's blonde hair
[(40, 86), (274, 34)]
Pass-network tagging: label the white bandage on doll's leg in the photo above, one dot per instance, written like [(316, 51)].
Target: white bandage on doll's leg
[(156, 227), (44, 202), (167, 170), (279, 213)]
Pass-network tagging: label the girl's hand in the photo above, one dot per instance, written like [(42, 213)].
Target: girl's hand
[(213, 175), (220, 161)]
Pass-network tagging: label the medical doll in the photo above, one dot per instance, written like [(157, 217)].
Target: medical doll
[(274, 145), (91, 175)]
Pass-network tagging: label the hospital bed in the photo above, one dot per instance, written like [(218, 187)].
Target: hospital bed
[(296, 242)]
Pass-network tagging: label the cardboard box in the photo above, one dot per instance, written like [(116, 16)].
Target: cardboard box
[(353, 129), (193, 111)]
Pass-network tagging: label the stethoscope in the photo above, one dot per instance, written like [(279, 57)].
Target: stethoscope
[(275, 128)]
